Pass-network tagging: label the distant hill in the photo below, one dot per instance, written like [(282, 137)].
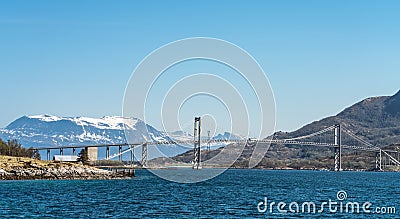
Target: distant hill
[(375, 119)]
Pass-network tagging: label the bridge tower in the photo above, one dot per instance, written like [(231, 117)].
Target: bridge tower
[(338, 149), (208, 143), (145, 154), (197, 150), (378, 160)]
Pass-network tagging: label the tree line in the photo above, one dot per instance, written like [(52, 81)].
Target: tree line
[(14, 148)]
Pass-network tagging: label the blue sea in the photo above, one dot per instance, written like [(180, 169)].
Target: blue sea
[(237, 193)]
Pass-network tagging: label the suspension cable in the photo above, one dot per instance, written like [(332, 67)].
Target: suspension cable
[(358, 138), (311, 135)]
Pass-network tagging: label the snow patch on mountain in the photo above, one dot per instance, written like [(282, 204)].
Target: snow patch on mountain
[(227, 136), (107, 122)]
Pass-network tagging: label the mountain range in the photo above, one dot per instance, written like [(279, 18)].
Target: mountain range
[(375, 119), (48, 130)]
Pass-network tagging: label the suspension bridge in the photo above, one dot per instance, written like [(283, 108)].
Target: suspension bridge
[(337, 132)]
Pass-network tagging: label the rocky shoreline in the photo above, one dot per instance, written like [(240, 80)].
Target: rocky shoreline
[(15, 168)]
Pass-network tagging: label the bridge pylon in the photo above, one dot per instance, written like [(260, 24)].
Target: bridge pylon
[(338, 149), (378, 160), (208, 141), (197, 149), (145, 154)]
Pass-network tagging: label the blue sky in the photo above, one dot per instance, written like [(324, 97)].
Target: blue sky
[(74, 58)]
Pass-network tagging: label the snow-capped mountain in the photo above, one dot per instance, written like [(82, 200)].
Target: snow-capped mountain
[(227, 136), (180, 136), (47, 130)]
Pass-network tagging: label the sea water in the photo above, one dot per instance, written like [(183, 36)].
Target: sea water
[(237, 193)]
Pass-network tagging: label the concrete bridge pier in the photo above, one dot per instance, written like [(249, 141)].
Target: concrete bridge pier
[(120, 153), (48, 154), (107, 152)]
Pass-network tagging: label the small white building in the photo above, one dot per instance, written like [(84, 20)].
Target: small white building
[(65, 158)]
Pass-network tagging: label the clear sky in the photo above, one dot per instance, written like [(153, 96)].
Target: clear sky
[(74, 58)]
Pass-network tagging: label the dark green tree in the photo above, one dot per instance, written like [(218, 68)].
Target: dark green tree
[(83, 156), (14, 148), (3, 148)]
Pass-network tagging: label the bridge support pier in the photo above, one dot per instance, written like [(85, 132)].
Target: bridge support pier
[(73, 151), (197, 149), (107, 153), (145, 154), (120, 153), (338, 149), (61, 151), (48, 154)]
